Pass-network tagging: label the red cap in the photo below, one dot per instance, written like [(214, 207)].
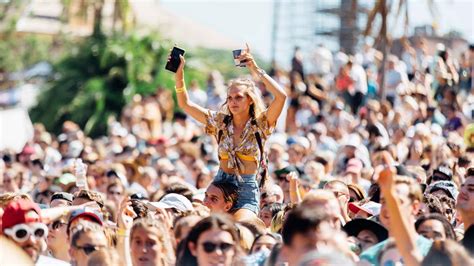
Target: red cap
[(20, 212)]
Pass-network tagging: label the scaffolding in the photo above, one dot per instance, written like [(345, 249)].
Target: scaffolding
[(308, 23)]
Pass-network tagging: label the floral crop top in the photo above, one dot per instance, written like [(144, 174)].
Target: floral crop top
[(247, 149)]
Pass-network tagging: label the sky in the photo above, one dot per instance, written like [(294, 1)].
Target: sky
[(251, 21)]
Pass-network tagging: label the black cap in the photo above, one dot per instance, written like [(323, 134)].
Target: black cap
[(354, 227), (286, 170), (62, 195)]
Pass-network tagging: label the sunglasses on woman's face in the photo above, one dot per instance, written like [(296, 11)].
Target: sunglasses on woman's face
[(88, 249), (21, 232), (210, 247)]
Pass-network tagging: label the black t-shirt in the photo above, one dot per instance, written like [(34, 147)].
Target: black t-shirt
[(468, 240)]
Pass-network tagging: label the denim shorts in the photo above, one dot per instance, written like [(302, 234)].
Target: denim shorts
[(249, 193)]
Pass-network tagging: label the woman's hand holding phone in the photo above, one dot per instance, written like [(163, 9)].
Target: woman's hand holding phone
[(180, 72), (247, 58)]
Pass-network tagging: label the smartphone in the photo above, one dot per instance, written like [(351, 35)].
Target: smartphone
[(174, 62), (237, 62)]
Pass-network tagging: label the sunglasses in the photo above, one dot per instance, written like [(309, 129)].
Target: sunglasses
[(210, 247), (88, 249), (21, 232)]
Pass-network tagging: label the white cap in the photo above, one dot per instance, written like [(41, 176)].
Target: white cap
[(176, 201), (199, 195), (372, 208)]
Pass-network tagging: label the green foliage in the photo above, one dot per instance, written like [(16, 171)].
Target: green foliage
[(98, 78), (102, 73), (17, 53)]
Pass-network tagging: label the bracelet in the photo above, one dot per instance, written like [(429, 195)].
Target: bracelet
[(181, 90), (261, 72), (122, 232)]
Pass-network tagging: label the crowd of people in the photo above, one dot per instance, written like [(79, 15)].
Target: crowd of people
[(313, 166)]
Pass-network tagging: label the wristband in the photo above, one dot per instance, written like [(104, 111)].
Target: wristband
[(122, 232), (181, 90), (261, 72)]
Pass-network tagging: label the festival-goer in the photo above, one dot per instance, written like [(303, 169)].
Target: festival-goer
[(213, 240), (241, 127)]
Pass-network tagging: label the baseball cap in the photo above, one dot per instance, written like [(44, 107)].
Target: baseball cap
[(62, 195), (89, 214), (354, 227), (353, 140), (447, 186), (354, 165), (21, 211), (442, 173), (286, 170), (174, 201), (372, 208)]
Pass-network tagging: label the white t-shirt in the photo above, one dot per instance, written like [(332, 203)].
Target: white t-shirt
[(322, 60), (50, 261), (359, 77)]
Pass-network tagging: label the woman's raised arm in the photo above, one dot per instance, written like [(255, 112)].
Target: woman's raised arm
[(197, 112), (278, 92)]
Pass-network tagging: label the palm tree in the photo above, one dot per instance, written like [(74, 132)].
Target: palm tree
[(382, 10), (86, 10)]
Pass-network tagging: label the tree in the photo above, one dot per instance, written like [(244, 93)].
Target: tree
[(98, 78), (86, 10)]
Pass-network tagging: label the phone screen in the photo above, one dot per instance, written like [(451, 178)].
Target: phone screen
[(174, 61)]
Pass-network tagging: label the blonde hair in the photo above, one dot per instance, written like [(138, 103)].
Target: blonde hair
[(252, 91), (8, 197), (277, 222), (246, 237)]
